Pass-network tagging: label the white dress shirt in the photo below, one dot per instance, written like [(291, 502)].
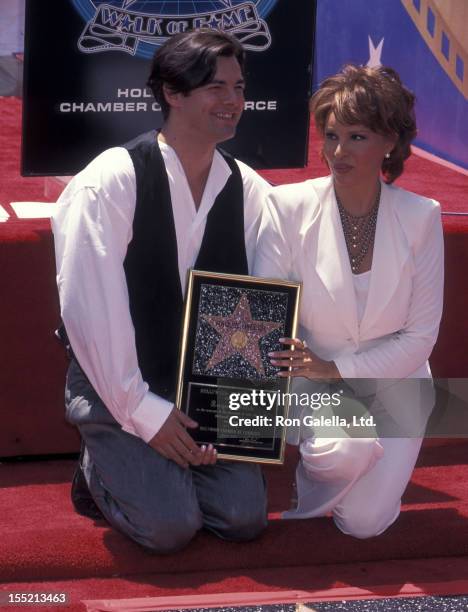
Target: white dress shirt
[(92, 230)]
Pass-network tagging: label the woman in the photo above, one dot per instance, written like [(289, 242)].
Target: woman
[(370, 256)]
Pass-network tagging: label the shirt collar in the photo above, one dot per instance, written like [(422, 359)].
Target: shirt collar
[(217, 177)]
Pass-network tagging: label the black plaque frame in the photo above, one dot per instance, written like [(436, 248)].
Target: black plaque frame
[(203, 396)]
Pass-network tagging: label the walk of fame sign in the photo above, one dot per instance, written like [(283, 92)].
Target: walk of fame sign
[(226, 381)]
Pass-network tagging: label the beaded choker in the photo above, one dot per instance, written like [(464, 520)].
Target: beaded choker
[(359, 232)]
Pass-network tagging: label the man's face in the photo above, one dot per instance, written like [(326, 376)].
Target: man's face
[(212, 112)]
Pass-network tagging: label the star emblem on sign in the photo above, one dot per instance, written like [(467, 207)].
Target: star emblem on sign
[(240, 334)]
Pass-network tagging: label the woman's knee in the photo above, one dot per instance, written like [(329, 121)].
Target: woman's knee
[(365, 522), (339, 459)]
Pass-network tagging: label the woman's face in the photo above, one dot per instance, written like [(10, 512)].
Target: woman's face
[(354, 153)]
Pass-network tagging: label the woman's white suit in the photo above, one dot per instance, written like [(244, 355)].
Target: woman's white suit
[(384, 353)]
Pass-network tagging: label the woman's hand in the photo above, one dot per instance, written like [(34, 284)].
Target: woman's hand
[(301, 361)]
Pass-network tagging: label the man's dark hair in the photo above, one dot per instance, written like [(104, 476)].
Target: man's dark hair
[(188, 60)]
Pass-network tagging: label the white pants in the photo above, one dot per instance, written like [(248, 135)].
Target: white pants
[(359, 480)]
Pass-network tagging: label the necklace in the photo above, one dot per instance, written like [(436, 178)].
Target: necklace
[(359, 231)]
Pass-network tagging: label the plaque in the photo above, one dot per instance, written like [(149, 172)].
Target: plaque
[(226, 382)]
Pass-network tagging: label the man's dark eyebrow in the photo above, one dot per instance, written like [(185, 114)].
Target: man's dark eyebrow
[(221, 82)]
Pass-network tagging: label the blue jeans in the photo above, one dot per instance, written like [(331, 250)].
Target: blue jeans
[(150, 498)]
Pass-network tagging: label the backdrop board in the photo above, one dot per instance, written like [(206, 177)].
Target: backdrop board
[(426, 41), (87, 62)]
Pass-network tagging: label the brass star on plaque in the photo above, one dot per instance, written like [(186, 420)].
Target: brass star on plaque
[(240, 334)]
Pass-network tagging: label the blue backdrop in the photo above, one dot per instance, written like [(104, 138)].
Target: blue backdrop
[(342, 35)]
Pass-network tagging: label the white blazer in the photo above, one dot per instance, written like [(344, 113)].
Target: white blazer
[(301, 238)]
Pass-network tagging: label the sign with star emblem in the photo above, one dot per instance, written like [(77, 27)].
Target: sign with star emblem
[(92, 95), (226, 381)]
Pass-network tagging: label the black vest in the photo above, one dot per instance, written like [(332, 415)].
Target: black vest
[(151, 264)]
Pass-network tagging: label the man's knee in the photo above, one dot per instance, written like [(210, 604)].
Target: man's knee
[(165, 537), (149, 516), (243, 524), (244, 516), (156, 527)]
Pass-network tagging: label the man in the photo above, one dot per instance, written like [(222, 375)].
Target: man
[(128, 229)]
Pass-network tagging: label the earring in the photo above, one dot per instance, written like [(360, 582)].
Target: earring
[(387, 155)]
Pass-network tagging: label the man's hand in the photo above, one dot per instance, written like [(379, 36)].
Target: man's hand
[(174, 442)]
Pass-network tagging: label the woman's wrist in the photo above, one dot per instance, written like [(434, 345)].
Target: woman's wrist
[(333, 370)]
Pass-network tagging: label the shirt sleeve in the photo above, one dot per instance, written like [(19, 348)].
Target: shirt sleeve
[(402, 353), (92, 229)]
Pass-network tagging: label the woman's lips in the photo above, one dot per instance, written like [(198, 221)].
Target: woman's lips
[(342, 168)]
